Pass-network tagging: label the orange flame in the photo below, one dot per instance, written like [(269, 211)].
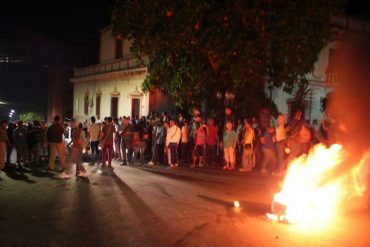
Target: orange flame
[(311, 192)]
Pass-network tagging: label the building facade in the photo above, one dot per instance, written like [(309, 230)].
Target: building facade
[(113, 86), (326, 74)]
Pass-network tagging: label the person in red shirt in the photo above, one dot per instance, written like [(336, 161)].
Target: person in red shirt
[(211, 142), (107, 143)]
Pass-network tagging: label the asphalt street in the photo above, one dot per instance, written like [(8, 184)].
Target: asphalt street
[(157, 206)]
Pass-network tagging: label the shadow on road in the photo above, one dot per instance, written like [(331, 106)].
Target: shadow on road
[(18, 174), (183, 177), (250, 208), (145, 215)]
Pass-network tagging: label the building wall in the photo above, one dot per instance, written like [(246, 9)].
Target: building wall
[(318, 85), (127, 89), (108, 48)]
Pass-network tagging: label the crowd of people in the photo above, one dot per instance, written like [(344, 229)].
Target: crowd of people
[(242, 145)]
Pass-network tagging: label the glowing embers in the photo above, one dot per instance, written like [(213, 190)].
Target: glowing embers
[(313, 190)]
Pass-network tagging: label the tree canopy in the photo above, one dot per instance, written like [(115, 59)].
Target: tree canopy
[(199, 48)]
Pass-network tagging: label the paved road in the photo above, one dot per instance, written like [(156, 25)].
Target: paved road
[(156, 206)]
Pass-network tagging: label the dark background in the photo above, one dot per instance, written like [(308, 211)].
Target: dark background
[(59, 34), (42, 37)]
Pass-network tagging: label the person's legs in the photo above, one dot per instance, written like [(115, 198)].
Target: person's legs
[(104, 154), (123, 151), (110, 152), (2, 155), (173, 154), (232, 158), (53, 151), (38, 151), (61, 151), (9, 150), (227, 158)]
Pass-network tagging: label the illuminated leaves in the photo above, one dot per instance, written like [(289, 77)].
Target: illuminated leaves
[(207, 46)]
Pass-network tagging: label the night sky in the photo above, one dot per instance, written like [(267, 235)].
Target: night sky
[(58, 34), (54, 34)]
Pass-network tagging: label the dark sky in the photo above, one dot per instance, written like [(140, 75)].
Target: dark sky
[(48, 35), (59, 33)]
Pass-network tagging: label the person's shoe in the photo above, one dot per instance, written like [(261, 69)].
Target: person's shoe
[(172, 166), (82, 174), (225, 168), (50, 169), (151, 163), (124, 164), (192, 166), (64, 175)]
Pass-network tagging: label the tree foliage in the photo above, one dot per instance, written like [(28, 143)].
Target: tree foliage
[(197, 48), (31, 116)]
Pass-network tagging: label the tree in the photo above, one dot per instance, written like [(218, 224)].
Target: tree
[(31, 116), (197, 48)]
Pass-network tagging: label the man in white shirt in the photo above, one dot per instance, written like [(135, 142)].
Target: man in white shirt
[(94, 132), (172, 141)]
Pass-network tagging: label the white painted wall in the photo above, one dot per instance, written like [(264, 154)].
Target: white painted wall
[(126, 88), (107, 46), (318, 85)]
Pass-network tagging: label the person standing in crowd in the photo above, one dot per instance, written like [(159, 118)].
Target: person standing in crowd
[(299, 136), (281, 141), (20, 141), (314, 133), (93, 134), (229, 144), (248, 160), (3, 142), (10, 144), (106, 141), (269, 160), (54, 135), (239, 148), (117, 140), (211, 142), (44, 144), (200, 144), (35, 136), (79, 142), (172, 142), (139, 141), (159, 140), (126, 141), (184, 144)]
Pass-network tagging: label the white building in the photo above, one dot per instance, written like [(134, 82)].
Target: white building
[(113, 87), (325, 76)]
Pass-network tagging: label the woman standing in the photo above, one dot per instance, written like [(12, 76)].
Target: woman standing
[(79, 142), (247, 146)]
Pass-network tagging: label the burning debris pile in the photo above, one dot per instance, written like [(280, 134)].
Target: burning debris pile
[(313, 190)]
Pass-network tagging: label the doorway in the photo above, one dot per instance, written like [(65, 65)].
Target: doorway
[(135, 107)]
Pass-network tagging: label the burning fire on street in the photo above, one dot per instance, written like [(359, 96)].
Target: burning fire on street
[(313, 191)]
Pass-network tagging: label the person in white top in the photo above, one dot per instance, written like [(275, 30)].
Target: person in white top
[(281, 141), (93, 134), (248, 159), (184, 142), (172, 141)]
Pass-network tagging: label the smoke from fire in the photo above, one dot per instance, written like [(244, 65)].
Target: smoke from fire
[(349, 103)]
